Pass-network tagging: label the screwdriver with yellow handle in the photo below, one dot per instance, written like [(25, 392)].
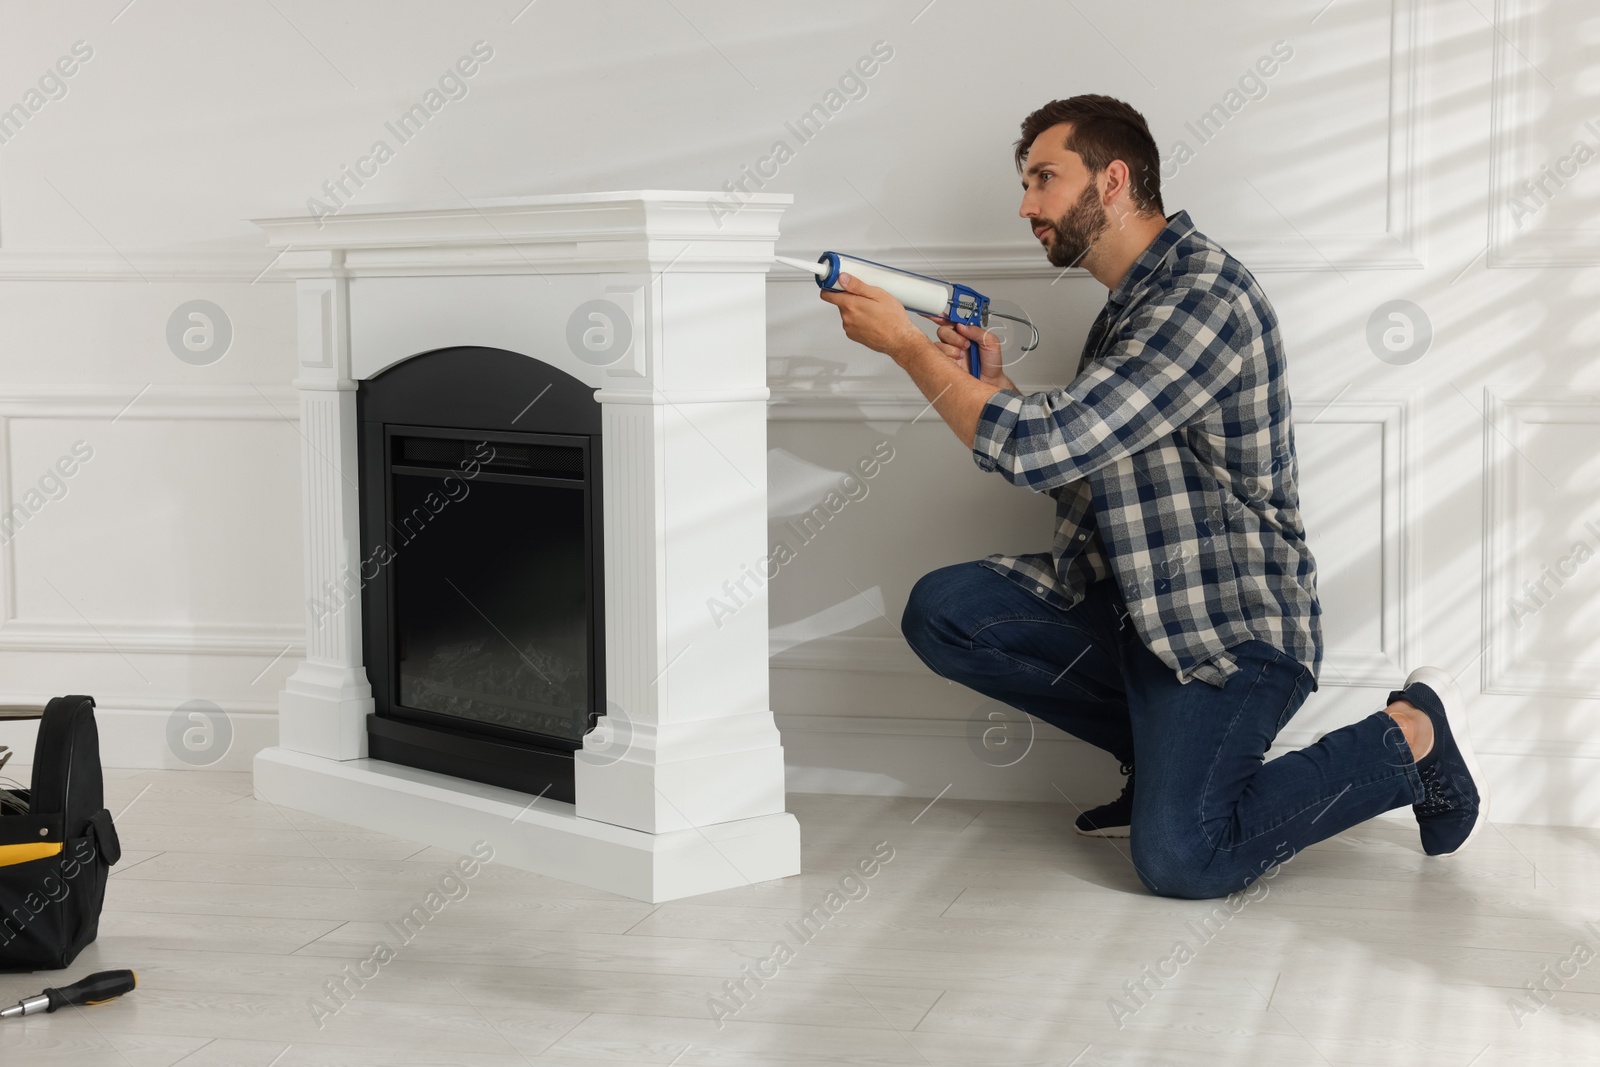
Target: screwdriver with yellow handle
[(95, 989)]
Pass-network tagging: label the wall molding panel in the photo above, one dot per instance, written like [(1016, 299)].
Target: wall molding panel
[(1504, 670), (1513, 155), (1379, 666), (152, 403), (1384, 665), (1400, 245)]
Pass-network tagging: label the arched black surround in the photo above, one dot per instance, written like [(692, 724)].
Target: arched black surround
[(480, 389), (545, 427)]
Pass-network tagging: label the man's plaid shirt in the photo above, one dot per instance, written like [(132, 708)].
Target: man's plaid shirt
[(1171, 459)]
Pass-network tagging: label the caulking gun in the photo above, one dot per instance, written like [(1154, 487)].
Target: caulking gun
[(918, 292)]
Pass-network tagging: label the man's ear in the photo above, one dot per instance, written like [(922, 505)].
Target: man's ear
[(1117, 182)]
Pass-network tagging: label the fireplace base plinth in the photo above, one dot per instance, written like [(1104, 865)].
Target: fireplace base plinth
[(546, 837)]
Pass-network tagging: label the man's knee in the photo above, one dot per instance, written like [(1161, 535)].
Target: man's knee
[(926, 621), (1173, 867)]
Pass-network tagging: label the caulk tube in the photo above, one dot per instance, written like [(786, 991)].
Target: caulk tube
[(918, 292)]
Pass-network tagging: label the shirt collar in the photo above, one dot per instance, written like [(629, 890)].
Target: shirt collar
[(1178, 226)]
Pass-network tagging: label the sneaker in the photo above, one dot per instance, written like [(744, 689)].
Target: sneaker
[(1113, 819), (1456, 805)]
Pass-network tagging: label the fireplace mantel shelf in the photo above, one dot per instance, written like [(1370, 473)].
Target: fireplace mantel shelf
[(649, 230)]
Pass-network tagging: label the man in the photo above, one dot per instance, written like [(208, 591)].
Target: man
[(1175, 621)]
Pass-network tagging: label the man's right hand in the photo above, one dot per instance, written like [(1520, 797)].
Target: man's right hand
[(954, 339)]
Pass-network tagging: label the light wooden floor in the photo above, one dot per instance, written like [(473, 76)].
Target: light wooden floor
[(994, 936)]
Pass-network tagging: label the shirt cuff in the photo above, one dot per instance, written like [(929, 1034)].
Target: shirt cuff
[(1215, 671), (996, 422)]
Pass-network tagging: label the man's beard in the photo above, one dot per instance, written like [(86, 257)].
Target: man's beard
[(1076, 232)]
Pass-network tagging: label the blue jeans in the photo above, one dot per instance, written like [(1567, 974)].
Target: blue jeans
[(1209, 817)]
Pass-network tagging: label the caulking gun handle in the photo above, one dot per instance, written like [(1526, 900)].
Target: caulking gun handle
[(974, 360)]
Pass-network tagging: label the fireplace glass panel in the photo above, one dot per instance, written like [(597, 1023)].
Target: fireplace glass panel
[(491, 602)]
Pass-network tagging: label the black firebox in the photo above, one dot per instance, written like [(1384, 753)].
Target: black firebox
[(482, 564)]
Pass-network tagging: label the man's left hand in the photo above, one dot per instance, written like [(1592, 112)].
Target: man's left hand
[(874, 318)]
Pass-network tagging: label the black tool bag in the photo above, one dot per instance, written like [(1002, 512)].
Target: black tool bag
[(55, 858)]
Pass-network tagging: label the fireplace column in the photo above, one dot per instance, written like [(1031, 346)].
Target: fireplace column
[(323, 708), (690, 682)]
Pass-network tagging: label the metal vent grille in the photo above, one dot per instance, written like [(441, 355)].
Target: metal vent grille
[(544, 461), (431, 450)]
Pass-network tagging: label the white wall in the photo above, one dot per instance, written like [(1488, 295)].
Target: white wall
[(1378, 165)]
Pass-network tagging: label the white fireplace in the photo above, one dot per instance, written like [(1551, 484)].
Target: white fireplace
[(659, 304)]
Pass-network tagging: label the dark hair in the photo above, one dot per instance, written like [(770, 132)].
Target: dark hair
[(1103, 129)]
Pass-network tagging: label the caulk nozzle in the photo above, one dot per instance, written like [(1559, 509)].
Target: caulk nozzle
[(819, 269)]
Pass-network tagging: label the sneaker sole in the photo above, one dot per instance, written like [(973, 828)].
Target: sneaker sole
[(1109, 831), (1455, 713)]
